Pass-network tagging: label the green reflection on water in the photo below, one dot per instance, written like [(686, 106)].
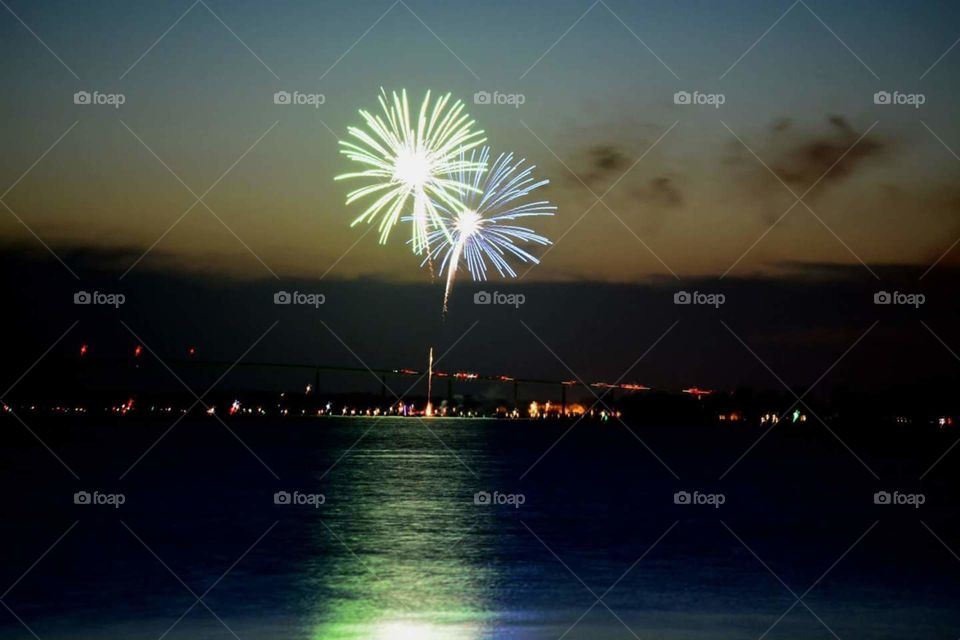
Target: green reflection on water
[(407, 562)]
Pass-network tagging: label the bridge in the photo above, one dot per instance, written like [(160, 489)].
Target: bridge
[(382, 374)]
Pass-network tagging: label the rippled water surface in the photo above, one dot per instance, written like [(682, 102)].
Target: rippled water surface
[(587, 543)]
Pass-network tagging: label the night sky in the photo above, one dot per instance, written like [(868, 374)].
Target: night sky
[(693, 197)]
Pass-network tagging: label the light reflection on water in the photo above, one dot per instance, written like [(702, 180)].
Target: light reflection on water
[(398, 629), (407, 565)]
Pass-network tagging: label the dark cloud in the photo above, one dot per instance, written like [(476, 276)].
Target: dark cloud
[(661, 192), (601, 165), (802, 156), (799, 321), (781, 124), (805, 163), (657, 197), (79, 258), (83, 259)]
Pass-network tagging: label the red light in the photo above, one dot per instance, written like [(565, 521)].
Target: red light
[(192, 351), (83, 350), (137, 351)]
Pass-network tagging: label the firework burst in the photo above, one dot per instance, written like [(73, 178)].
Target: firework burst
[(478, 229), (424, 163)]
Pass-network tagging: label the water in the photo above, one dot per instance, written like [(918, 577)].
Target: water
[(399, 549)]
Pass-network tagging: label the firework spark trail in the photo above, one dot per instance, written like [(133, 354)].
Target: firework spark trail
[(475, 231), (425, 163)]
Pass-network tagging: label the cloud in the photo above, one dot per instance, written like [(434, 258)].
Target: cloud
[(603, 163), (835, 154), (781, 124), (801, 320), (637, 194), (661, 192), (92, 258), (800, 157), (657, 197)]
